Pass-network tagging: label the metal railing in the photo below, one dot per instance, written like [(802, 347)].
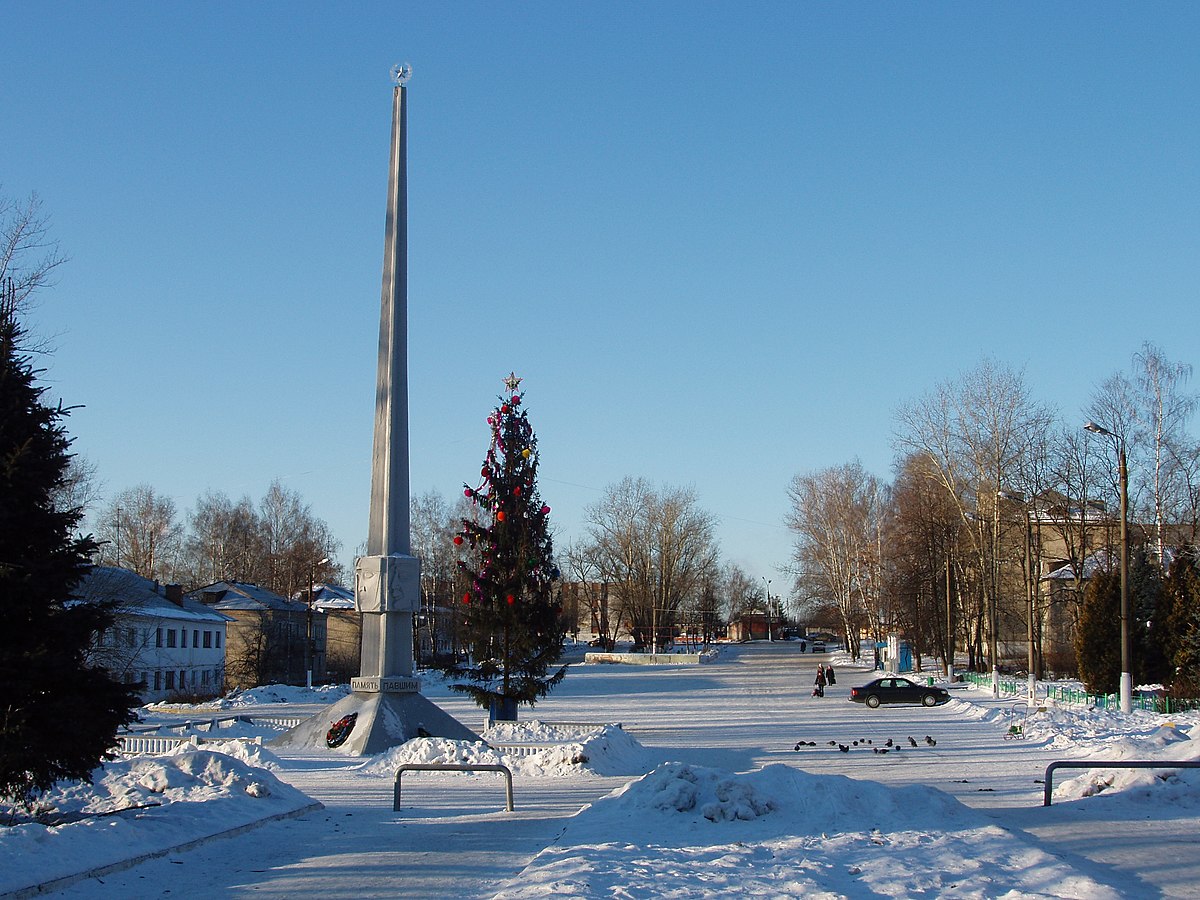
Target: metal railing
[(1048, 790), (453, 767), (1150, 702)]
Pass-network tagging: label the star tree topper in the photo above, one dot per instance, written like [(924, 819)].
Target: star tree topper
[(512, 382)]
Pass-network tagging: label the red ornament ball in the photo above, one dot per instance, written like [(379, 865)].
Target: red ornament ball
[(511, 599), (467, 492), (500, 517), (458, 540), (504, 408), (467, 597), (517, 491), (545, 510)]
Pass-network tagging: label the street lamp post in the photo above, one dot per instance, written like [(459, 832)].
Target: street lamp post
[(994, 643), (309, 649), (1123, 481), (768, 606)]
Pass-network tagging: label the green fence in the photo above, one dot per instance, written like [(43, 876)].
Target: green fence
[(1150, 702)]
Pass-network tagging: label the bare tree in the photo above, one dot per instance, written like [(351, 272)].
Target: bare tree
[(742, 592), (223, 542), (139, 531), (977, 432), (835, 518), (80, 488), (922, 545), (433, 526), (1166, 409), (589, 588), (28, 257), (655, 549)]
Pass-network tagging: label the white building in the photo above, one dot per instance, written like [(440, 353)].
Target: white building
[(160, 640)]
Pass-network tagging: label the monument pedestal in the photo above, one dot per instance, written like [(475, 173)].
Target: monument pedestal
[(385, 719)]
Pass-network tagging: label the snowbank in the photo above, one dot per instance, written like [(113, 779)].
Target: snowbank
[(700, 832), (141, 807)]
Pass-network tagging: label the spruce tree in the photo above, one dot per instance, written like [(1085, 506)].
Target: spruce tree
[(513, 620), (1182, 588), (58, 715), (1098, 637), (1149, 612)]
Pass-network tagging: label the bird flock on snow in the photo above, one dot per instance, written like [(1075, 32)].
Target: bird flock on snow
[(887, 746)]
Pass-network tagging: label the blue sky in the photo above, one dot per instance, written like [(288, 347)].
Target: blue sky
[(721, 242)]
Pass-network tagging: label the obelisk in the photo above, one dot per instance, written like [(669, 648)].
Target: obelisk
[(386, 707)]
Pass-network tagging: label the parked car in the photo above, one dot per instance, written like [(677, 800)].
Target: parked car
[(893, 689), (818, 647)]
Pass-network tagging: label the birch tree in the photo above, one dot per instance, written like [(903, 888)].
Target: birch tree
[(834, 516)]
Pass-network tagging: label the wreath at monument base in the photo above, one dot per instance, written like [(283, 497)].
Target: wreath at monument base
[(340, 730)]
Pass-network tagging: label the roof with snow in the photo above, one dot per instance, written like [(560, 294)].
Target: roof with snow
[(1100, 561), (136, 595), (243, 595), (328, 596)]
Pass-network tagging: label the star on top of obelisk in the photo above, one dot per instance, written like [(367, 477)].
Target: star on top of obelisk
[(401, 72), (512, 382)]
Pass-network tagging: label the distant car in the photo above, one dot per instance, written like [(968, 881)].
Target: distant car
[(898, 690), (818, 647)]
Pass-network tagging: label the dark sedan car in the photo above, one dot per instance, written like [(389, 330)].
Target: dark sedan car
[(898, 690)]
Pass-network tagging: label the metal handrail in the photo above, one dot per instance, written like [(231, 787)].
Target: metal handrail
[(453, 767), (1101, 764)]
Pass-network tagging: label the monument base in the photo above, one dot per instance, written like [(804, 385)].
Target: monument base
[(384, 720)]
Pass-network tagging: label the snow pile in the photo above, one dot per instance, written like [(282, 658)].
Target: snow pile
[(273, 693), (782, 832), (534, 750), (150, 803), (430, 750), (248, 752), (1160, 787)]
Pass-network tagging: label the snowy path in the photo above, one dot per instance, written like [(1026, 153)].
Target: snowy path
[(748, 710)]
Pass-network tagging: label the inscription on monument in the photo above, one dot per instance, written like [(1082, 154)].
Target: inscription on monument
[(385, 685)]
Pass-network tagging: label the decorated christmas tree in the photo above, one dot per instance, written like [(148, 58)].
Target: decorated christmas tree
[(513, 618)]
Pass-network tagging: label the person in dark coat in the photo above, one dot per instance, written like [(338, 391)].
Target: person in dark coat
[(830, 678), (819, 684)]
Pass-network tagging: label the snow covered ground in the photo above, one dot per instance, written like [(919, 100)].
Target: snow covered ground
[(723, 779)]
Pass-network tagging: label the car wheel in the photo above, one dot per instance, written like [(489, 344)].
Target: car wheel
[(873, 702), (929, 700)]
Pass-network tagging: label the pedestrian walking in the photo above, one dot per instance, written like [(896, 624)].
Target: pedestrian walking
[(830, 678), (819, 683)]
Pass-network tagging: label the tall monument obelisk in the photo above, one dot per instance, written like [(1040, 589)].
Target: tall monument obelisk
[(386, 707)]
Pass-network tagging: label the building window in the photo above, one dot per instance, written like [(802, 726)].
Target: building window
[(195, 637), (157, 680), (170, 637), (182, 679), (207, 640), (158, 640), (183, 637), (170, 686), (204, 677), (218, 634)]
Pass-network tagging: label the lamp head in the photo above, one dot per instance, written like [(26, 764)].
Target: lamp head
[(1097, 429)]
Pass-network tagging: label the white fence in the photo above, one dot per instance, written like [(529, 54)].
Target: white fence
[(157, 739)]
